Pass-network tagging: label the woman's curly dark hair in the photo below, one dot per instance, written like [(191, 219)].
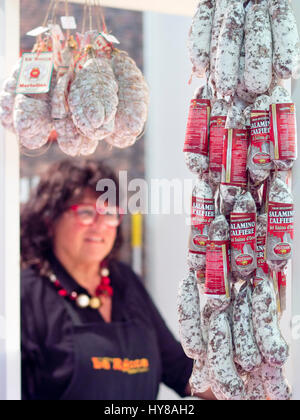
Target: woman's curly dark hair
[(63, 183)]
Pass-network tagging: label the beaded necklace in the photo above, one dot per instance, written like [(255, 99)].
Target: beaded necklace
[(82, 300)]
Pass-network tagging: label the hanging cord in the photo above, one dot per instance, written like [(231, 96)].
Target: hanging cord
[(84, 17), (54, 13), (51, 5), (101, 15), (40, 43), (67, 14), (99, 26), (90, 15)]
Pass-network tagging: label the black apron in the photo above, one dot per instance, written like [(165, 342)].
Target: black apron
[(114, 361)]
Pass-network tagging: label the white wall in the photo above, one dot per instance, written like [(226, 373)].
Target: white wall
[(9, 220), (168, 69), (295, 359)]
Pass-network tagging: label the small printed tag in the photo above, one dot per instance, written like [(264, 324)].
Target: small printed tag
[(68, 22), (37, 31), (36, 73), (110, 38), (57, 31)]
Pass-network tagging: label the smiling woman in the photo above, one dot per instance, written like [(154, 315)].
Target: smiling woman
[(90, 331)]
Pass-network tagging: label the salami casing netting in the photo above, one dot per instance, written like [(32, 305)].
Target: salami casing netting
[(266, 328), (133, 103), (229, 49), (189, 318), (93, 99), (247, 354), (224, 376), (258, 49), (200, 36)]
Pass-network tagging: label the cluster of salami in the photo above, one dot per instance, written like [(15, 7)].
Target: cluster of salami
[(241, 142), (97, 93)]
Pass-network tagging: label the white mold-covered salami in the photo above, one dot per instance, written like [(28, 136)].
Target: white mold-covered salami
[(258, 49), (229, 48), (255, 389), (280, 213), (265, 322), (236, 118), (206, 314), (243, 237), (196, 142), (70, 141), (189, 318), (247, 354), (32, 121), (220, 11), (285, 38), (199, 380), (200, 37), (93, 98), (133, 105), (280, 95), (276, 385), (203, 213), (241, 90), (7, 101), (59, 98), (220, 359)]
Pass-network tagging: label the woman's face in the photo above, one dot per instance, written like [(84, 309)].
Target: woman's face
[(83, 244)]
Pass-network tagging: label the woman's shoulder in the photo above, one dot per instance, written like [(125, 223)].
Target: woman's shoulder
[(33, 285), (29, 278)]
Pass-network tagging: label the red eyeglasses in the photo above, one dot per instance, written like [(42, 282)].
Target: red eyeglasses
[(87, 214)]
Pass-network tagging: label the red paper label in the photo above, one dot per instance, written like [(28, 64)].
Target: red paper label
[(234, 162), (243, 238), (281, 221), (198, 241), (203, 213), (260, 139), (281, 280), (196, 140), (216, 138), (280, 230), (283, 131), (217, 268), (261, 254)]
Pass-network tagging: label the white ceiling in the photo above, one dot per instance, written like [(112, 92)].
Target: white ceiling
[(176, 7)]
